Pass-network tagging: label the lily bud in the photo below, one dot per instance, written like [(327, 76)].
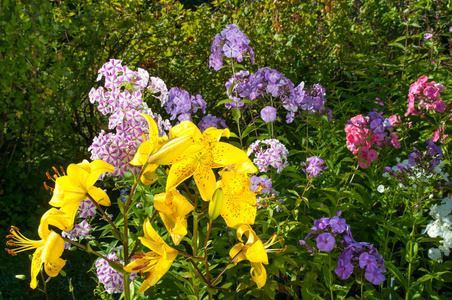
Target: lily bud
[(216, 204)]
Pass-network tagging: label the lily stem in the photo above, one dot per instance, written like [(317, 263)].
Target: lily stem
[(106, 216), (205, 252), (224, 269)]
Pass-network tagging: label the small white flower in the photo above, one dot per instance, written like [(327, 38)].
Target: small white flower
[(381, 188), (434, 253)]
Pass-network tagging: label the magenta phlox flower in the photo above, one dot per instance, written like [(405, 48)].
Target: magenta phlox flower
[(325, 242)]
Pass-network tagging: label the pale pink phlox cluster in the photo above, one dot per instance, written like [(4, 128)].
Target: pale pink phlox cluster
[(364, 134), (423, 94), (267, 153), (121, 98)]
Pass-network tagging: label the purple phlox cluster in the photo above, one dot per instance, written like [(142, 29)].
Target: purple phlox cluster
[(420, 167), (112, 280), (314, 99), (79, 232), (355, 256), (121, 98), (440, 227), (229, 43), (86, 209), (366, 133), (124, 194), (314, 166), (181, 105), (268, 114), (211, 121), (269, 152), (425, 95)]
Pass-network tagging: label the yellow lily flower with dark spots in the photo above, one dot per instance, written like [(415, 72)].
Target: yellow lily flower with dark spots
[(173, 209), (48, 249), (239, 202), (254, 251), (212, 154), (156, 263), (78, 185), (158, 150)]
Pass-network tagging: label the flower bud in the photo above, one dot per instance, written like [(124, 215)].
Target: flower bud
[(216, 204)]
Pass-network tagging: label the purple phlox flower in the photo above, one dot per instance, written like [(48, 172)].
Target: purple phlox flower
[(344, 268), (338, 225), (268, 114), (366, 260), (374, 275), (315, 166), (260, 184), (325, 242), (211, 121), (321, 223)]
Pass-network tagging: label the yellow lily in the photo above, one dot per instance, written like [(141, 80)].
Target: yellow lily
[(78, 185), (48, 249), (157, 262), (254, 251), (239, 202), (173, 209), (209, 154), (157, 151)]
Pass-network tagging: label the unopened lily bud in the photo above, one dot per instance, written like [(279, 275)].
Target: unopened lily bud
[(21, 276), (171, 150), (216, 204)]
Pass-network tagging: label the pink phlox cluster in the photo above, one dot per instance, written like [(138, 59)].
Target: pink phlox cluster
[(121, 97), (366, 133), (425, 95), (440, 134), (267, 153), (79, 232), (112, 280), (229, 43), (86, 209)]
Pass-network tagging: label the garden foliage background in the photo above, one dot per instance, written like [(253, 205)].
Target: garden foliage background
[(50, 52)]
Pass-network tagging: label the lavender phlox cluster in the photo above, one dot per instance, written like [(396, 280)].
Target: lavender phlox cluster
[(421, 167), (260, 184), (112, 280), (121, 98), (80, 231), (440, 227), (211, 121), (334, 232), (236, 86), (314, 99), (180, 104), (425, 95), (267, 153), (314, 166), (124, 194), (229, 43)]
